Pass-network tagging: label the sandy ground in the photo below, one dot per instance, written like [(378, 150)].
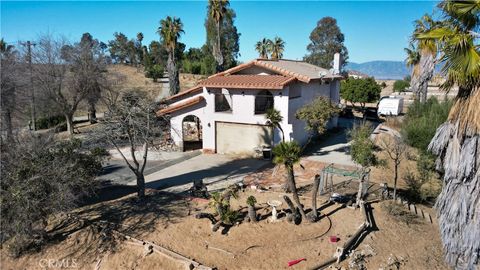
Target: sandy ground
[(169, 221)]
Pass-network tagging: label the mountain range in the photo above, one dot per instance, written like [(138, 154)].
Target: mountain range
[(383, 70)]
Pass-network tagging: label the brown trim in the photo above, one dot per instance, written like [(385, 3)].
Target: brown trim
[(180, 105)]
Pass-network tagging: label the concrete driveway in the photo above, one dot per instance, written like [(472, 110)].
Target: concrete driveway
[(217, 171), (116, 171), (334, 148)]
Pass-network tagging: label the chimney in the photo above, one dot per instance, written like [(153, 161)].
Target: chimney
[(337, 63)]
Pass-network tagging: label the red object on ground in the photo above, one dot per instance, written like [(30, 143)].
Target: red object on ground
[(290, 263), (334, 239)]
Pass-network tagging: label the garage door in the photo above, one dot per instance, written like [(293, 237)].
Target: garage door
[(241, 139)]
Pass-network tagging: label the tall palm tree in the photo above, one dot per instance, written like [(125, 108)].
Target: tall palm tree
[(288, 154), (412, 61), (456, 141), (428, 52), (170, 31), (277, 47), (218, 10), (263, 47)]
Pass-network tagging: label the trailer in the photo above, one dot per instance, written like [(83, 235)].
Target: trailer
[(390, 106)]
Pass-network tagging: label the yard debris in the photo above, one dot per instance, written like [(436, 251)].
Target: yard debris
[(393, 263), (290, 263)]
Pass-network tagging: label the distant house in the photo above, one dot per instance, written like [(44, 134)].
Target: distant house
[(357, 74), (225, 113)]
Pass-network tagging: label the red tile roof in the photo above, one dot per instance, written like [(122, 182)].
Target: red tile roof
[(240, 82), (180, 105), (248, 81)]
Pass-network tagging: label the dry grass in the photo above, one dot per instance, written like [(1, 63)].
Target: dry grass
[(399, 212)]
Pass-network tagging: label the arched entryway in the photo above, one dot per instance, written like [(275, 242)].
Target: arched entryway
[(191, 133)]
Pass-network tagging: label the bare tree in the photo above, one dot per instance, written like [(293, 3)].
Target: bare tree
[(395, 149), (131, 120), (52, 77), (9, 84)]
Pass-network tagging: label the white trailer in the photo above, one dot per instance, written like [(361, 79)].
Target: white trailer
[(390, 106)]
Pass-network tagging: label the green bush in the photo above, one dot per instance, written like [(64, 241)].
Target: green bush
[(400, 85), (155, 72), (49, 121), (362, 148), (422, 121)]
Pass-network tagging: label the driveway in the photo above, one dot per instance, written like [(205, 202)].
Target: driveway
[(116, 171), (217, 171), (335, 148)]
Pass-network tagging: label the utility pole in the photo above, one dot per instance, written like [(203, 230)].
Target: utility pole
[(29, 45)]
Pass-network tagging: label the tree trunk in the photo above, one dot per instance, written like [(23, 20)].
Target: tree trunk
[(92, 113), (69, 118), (395, 183), (218, 51), (426, 68), (294, 216), (458, 204), (316, 184), (296, 199), (290, 180), (173, 79), (7, 121), (140, 186), (252, 215)]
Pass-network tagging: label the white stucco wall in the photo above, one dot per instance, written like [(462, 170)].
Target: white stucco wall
[(243, 106), (309, 92)]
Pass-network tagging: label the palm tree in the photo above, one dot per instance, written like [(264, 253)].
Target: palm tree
[(428, 51), (140, 37), (263, 47), (170, 30), (275, 119), (288, 154), (456, 140), (277, 47), (412, 60), (218, 10)]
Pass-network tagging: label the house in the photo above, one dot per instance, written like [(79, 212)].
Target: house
[(225, 113), (357, 74)]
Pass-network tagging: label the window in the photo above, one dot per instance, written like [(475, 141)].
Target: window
[(222, 103), (263, 102), (295, 91)]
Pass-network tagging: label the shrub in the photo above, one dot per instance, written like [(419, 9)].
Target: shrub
[(49, 121), (41, 177), (362, 148), (154, 72), (422, 121), (400, 85)]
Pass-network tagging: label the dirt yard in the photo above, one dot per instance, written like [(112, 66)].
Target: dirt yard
[(169, 222)]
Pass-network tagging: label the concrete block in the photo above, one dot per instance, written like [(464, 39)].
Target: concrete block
[(413, 208)]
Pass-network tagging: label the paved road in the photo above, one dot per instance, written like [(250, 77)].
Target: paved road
[(116, 170), (217, 171)]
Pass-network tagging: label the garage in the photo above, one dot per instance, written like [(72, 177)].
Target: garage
[(241, 139)]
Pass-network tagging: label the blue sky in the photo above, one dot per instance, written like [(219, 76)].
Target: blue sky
[(374, 30)]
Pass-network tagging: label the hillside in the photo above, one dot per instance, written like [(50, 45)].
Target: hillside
[(381, 69), (128, 77)]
